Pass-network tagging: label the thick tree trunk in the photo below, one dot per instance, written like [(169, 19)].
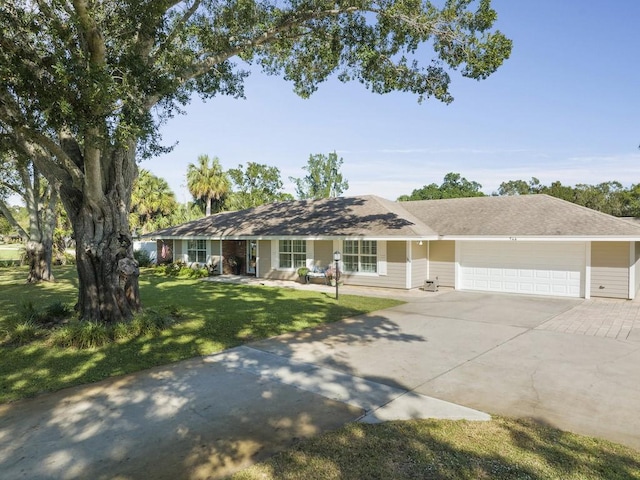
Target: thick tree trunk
[(42, 223), (39, 258), (107, 271)]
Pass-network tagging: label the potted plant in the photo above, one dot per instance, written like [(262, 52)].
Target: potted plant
[(235, 263), (302, 273), (333, 275)]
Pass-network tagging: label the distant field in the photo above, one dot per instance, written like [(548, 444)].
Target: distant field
[(10, 252)]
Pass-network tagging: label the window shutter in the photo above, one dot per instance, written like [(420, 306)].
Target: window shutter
[(310, 254), (275, 259), (382, 257)]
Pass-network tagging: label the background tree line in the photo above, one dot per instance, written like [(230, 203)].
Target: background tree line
[(154, 205), (607, 197)]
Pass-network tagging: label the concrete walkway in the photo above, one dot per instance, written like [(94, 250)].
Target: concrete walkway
[(208, 417)]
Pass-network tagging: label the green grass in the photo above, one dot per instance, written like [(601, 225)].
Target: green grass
[(213, 317), (10, 252), (443, 449)]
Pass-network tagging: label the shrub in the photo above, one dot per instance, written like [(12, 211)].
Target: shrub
[(182, 271), (143, 258), (28, 312), (65, 258), (57, 310)]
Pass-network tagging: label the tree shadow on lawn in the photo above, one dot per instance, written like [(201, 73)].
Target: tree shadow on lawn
[(216, 317), (194, 419), (571, 453), (201, 418), (453, 450), (207, 418)]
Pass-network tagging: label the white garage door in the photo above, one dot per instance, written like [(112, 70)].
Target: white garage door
[(537, 268)]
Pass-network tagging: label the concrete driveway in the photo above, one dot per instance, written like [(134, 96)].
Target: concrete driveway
[(497, 353), (451, 355)]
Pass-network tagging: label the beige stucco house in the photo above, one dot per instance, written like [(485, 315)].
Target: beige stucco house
[(533, 244)]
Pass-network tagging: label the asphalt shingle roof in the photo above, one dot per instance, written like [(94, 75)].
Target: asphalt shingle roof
[(526, 215), (375, 217), (366, 216)]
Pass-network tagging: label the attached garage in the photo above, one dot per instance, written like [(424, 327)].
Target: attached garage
[(534, 268)]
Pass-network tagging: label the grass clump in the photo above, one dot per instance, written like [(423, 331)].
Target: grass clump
[(57, 310), (149, 323), (81, 335), (90, 335), (24, 332)]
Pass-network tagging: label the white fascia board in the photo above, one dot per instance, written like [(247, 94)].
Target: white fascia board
[(188, 237), (299, 237), (551, 238)]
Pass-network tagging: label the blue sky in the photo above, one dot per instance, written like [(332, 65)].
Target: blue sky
[(564, 107)]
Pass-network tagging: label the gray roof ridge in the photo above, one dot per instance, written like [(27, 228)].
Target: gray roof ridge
[(590, 210)]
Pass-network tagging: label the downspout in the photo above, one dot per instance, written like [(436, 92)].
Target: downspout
[(632, 270), (409, 266)]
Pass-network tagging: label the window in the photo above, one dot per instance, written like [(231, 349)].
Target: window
[(360, 256), (197, 251), (293, 253)]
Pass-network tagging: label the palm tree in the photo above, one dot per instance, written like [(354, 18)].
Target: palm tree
[(152, 202), (208, 182)]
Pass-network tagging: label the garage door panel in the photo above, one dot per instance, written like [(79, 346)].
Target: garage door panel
[(523, 267)]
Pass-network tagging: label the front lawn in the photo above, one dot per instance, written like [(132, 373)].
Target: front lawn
[(213, 317), (10, 251), (501, 449)]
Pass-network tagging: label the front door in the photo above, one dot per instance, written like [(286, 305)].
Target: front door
[(252, 255)]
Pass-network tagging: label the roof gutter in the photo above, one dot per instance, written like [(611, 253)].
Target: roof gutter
[(540, 238)]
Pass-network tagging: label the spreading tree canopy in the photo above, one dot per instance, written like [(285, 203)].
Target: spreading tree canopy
[(323, 178), (255, 185), (453, 185), (84, 85)]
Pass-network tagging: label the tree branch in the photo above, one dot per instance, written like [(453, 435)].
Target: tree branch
[(95, 43), (264, 38), (176, 29), (6, 211)]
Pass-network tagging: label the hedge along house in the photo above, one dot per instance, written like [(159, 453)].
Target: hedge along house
[(533, 244)]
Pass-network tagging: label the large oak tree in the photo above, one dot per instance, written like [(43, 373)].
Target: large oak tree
[(88, 81)]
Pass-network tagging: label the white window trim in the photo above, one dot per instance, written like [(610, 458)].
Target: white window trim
[(206, 251), (361, 273), (277, 254)]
